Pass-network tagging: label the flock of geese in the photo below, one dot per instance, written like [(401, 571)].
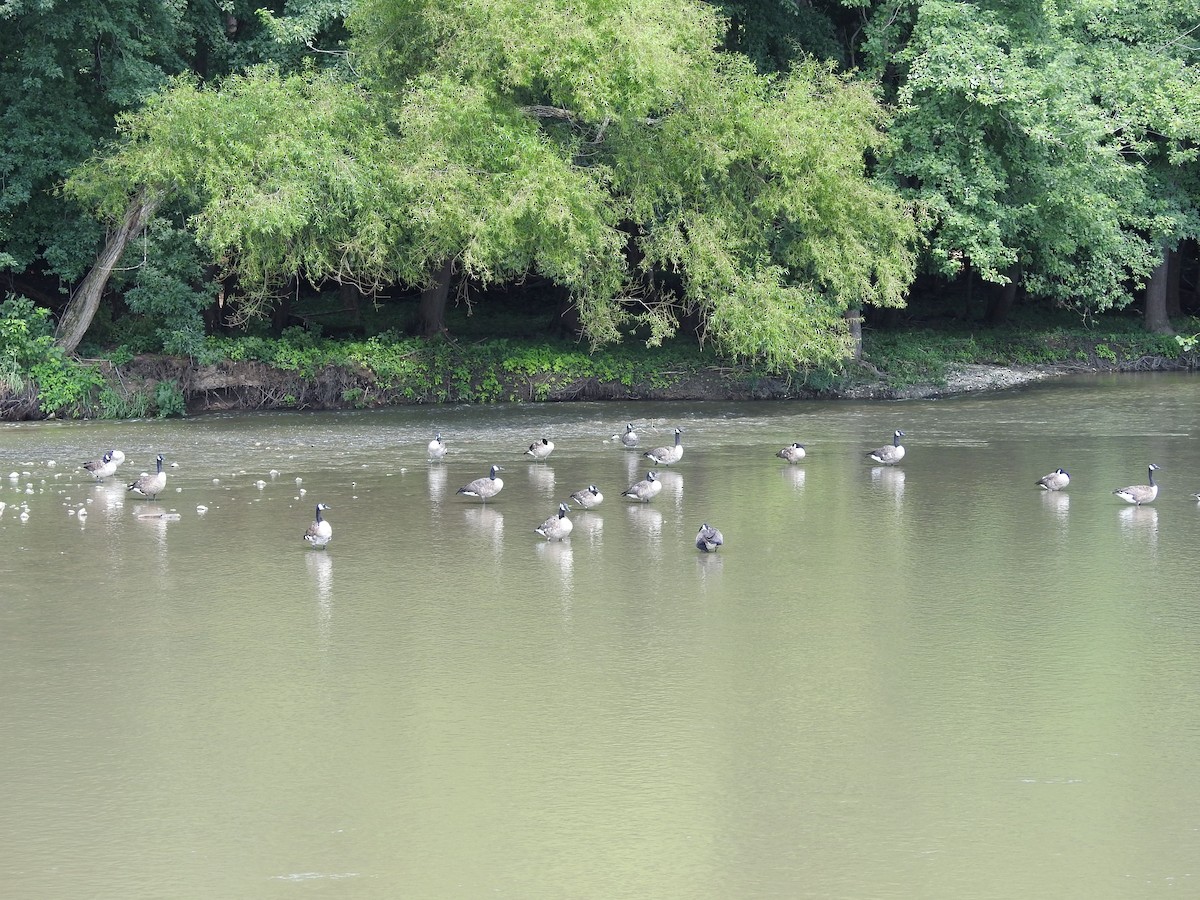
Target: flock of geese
[(559, 526)]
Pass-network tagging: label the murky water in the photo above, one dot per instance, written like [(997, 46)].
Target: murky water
[(930, 681)]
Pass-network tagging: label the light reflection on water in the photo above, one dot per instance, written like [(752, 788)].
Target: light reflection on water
[(930, 680)]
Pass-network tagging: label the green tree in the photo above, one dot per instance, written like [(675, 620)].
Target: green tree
[(1050, 143), (70, 68), (605, 146)]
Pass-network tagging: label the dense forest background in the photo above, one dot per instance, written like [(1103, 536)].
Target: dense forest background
[(766, 175)]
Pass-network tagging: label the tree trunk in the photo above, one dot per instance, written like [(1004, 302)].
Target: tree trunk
[(854, 319), (1156, 298), (82, 306), (1174, 300), (431, 314), (1002, 298), (349, 295), (282, 313)]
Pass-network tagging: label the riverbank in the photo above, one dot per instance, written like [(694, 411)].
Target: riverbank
[(230, 386), (300, 372)]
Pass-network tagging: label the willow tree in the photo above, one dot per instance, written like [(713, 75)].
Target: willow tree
[(603, 145)]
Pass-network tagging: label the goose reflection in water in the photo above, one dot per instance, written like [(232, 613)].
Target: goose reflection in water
[(560, 555), (646, 522), (589, 525), (542, 478), (111, 499), (150, 516), (890, 479), (794, 475), (708, 566), (437, 483), (1141, 523), (488, 522), (672, 487), (1058, 503), (320, 569)]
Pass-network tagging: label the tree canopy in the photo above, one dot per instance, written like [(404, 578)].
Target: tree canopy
[(757, 166), (608, 146)]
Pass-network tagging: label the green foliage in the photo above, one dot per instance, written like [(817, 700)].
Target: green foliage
[(926, 355), (517, 138), (775, 34), (29, 359), (75, 65), (168, 399), (1051, 143), (162, 280), (118, 402)]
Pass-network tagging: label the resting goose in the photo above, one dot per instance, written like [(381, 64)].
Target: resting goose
[(629, 438), (484, 488), (889, 455), (541, 449), (644, 490), (557, 527), (151, 485), (792, 453), (320, 532), (665, 456), (589, 498), (1137, 494), (1055, 481), (437, 447), (102, 467), (708, 538)]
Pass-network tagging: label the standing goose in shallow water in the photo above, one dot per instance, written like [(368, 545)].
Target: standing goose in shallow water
[(484, 488), (665, 456), (589, 498), (541, 449), (102, 467), (792, 453), (644, 490), (437, 447), (629, 438), (151, 485), (320, 532), (557, 527), (708, 538), (1137, 494), (1055, 481), (889, 454)]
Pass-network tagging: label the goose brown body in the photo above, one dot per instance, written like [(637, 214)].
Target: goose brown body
[(151, 485)]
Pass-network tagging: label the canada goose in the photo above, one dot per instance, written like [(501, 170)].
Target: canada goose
[(484, 488), (629, 438), (889, 455), (1055, 481), (151, 485), (1137, 494), (644, 490), (320, 532), (589, 498), (792, 453), (102, 467), (437, 447), (708, 538), (665, 456), (558, 526), (541, 449)]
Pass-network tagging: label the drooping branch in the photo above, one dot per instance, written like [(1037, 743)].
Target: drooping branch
[(82, 306)]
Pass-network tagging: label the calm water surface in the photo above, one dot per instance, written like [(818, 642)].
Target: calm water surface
[(933, 681)]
